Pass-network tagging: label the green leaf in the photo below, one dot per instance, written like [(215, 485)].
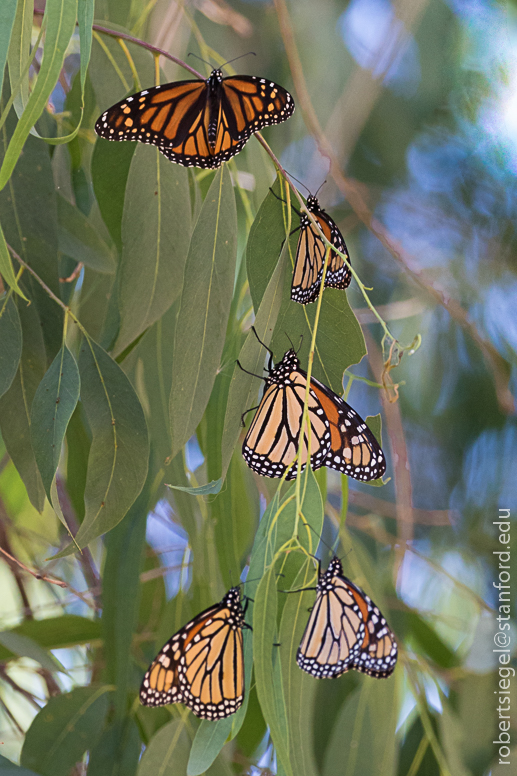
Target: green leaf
[(52, 407), (19, 52), (299, 687), (155, 235), (117, 752), (62, 732), (79, 239), (339, 343), (60, 18), (268, 672), (208, 742), (10, 342), (110, 171), (204, 308), (121, 597), (7, 768), (265, 241), (201, 490), (244, 387), (429, 641), (167, 752), (363, 738), (24, 646), (28, 215), (7, 17), (85, 13), (55, 633), (6, 267), (16, 403), (118, 460)]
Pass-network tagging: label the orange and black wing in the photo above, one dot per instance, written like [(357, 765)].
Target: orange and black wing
[(310, 258), (202, 665), (198, 123), (173, 117), (353, 448), (272, 441), (345, 630)]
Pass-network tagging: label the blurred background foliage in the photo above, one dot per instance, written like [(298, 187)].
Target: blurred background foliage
[(415, 102)]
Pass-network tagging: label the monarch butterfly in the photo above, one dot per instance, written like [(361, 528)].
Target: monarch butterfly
[(198, 123), (310, 256), (340, 439), (345, 630), (202, 665)]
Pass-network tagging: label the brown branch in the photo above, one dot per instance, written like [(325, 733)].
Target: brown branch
[(11, 716), (355, 194), (138, 42), (388, 509), (26, 694), (6, 550), (13, 562), (401, 473)]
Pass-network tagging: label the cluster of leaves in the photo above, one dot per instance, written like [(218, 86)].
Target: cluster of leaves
[(103, 382)]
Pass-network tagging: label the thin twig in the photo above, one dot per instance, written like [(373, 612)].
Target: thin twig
[(36, 574), (138, 42), (402, 476)]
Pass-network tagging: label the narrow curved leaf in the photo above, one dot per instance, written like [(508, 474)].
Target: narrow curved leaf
[(10, 342), (60, 17), (7, 17), (62, 732), (55, 633), (167, 752), (244, 387), (208, 742), (156, 228), (15, 405), (19, 52), (204, 308), (85, 13), (6, 267), (52, 408), (24, 646), (268, 671), (79, 239), (201, 490), (117, 464)]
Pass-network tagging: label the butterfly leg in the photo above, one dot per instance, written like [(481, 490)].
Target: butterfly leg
[(245, 413)]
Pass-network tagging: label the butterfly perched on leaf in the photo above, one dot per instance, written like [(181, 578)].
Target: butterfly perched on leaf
[(310, 256), (340, 439), (345, 630), (202, 665), (198, 123)]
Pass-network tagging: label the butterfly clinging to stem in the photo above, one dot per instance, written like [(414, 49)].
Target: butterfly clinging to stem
[(198, 123), (345, 630), (310, 254), (202, 665), (340, 439)]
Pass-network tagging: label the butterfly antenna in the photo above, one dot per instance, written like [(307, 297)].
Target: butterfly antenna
[(239, 57), (324, 182), (270, 364), (298, 181), (191, 54)]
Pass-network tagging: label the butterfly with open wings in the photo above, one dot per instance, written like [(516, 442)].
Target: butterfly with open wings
[(198, 123)]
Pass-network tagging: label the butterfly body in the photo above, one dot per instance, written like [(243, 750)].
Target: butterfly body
[(198, 123), (345, 631), (340, 439), (202, 665), (310, 256)]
